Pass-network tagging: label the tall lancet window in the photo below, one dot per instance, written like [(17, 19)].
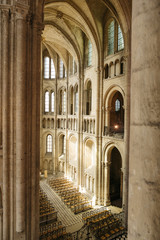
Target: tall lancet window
[(52, 102), (46, 67), (53, 73), (89, 53), (46, 101), (49, 143), (120, 39), (111, 38)]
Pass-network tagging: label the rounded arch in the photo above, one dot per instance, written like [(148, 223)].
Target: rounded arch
[(88, 97), (89, 153), (110, 92), (112, 158), (114, 112), (73, 150), (71, 99), (61, 144), (107, 150)]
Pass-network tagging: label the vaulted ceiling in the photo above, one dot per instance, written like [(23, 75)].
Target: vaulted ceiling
[(66, 23)]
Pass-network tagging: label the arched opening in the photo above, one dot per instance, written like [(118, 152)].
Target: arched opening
[(88, 98), (71, 101), (73, 156), (116, 178), (106, 73), (89, 154), (76, 99), (117, 114)]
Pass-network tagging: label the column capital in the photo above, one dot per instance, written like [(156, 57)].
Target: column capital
[(5, 12), (98, 69), (106, 164), (21, 13), (108, 109)]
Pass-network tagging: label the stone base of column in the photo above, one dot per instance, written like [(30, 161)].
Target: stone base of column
[(107, 203), (97, 201), (101, 202)]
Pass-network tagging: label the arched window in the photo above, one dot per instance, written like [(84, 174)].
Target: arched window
[(61, 68), (53, 73), (46, 101), (49, 68), (49, 144), (120, 39), (115, 40), (64, 101), (71, 100), (76, 100), (111, 38), (64, 145), (106, 71), (46, 67), (52, 102), (117, 105), (88, 98), (89, 53), (73, 66)]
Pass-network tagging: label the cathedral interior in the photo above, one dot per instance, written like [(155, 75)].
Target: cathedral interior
[(79, 120)]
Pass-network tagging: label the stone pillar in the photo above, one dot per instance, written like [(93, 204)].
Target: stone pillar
[(55, 121), (66, 114), (5, 121), (144, 162), (107, 184), (126, 108), (20, 122)]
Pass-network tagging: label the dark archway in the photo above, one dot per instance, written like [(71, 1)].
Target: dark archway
[(116, 178), (117, 114)]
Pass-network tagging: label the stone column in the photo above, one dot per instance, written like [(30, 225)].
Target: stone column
[(126, 108), (55, 121), (107, 184), (5, 121), (144, 162), (20, 121), (67, 107)]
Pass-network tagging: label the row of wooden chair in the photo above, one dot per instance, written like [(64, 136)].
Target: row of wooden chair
[(103, 224), (71, 196), (96, 215), (47, 211), (53, 231)]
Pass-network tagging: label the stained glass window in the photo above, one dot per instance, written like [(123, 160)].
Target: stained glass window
[(46, 67), (89, 53), (120, 39), (117, 105), (49, 143), (47, 101), (111, 38)]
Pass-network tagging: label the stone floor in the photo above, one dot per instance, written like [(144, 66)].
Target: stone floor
[(71, 221)]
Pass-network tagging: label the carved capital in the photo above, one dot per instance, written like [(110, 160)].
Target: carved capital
[(5, 12), (108, 109), (98, 70), (22, 13)]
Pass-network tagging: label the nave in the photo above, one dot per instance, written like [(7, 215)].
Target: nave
[(97, 223)]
